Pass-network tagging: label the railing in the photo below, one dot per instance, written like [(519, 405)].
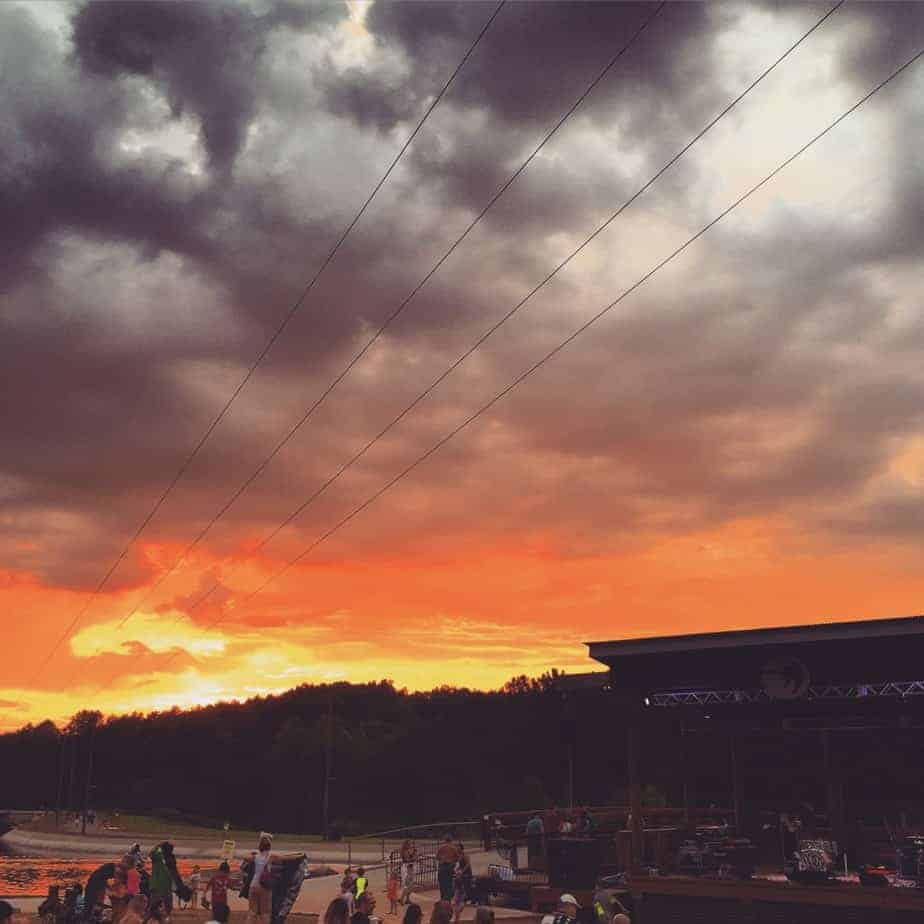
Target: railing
[(414, 832), (424, 871), (509, 828)]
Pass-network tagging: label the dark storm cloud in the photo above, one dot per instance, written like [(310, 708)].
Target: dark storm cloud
[(202, 55), (138, 287), (882, 35), (528, 70), (530, 64)]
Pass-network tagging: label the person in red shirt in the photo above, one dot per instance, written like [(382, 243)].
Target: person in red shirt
[(218, 888)]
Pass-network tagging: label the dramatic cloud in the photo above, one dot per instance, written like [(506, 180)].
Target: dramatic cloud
[(750, 419)]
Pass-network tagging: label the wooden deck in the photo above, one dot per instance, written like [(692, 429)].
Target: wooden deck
[(669, 899)]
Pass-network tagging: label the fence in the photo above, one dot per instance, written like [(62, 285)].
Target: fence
[(423, 873), (461, 831)]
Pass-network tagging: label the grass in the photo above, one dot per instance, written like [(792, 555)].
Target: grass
[(152, 826)]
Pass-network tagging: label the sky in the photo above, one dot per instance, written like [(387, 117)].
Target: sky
[(738, 443)]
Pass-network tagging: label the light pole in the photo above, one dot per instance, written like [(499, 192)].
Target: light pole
[(86, 794), (328, 760)]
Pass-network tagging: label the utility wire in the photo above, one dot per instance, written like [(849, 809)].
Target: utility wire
[(262, 355), (503, 320), (577, 333), (391, 318)]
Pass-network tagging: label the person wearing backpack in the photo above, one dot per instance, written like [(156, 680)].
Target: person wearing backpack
[(260, 896)]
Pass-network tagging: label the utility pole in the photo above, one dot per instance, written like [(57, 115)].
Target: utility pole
[(328, 759), (72, 779), (86, 793), (62, 740)]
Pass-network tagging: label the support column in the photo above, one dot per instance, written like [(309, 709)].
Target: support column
[(635, 789), (833, 791), (688, 770), (736, 782)]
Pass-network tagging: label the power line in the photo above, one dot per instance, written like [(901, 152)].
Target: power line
[(577, 333), (262, 355), (391, 318), (503, 320)]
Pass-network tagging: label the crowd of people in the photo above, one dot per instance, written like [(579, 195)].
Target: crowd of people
[(141, 894), (131, 892), (338, 912), (577, 821), (135, 895)]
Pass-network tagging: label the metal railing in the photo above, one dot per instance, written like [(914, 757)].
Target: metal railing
[(423, 871), (414, 832)]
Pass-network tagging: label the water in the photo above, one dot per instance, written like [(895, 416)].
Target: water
[(31, 876), (25, 877)]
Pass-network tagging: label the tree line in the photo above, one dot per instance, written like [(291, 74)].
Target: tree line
[(396, 758)]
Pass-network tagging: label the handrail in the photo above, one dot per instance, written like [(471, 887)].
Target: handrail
[(405, 831), (377, 835)]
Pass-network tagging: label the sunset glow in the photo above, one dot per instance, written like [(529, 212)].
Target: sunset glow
[(740, 443)]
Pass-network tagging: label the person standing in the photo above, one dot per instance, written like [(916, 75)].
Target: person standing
[(567, 912), (195, 882), (534, 831), (484, 915), (441, 913), (362, 882), (338, 912), (458, 894), (365, 905), (446, 857), (220, 914), (413, 914), (408, 859), (466, 875), (394, 885), (347, 885), (160, 887), (218, 889), (261, 883)]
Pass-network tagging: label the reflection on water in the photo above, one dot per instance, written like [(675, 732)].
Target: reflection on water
[(24, 876)]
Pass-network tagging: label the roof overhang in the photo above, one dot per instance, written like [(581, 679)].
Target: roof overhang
[(856, 652)]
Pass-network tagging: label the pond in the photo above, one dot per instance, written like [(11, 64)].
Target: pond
[(28, 876), (23, 876)]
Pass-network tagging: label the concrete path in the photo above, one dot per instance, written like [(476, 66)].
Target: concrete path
[(61, 844)]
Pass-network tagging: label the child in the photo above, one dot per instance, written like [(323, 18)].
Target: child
[(50, 908), (218, 890), (346, 890), (393, 887), (220, 915), (458, 895), (360, 883), (194, 882)]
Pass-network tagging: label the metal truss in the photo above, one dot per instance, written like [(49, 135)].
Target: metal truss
[(831, 691)]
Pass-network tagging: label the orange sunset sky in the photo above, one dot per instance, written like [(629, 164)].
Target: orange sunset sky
[(739, 443)]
